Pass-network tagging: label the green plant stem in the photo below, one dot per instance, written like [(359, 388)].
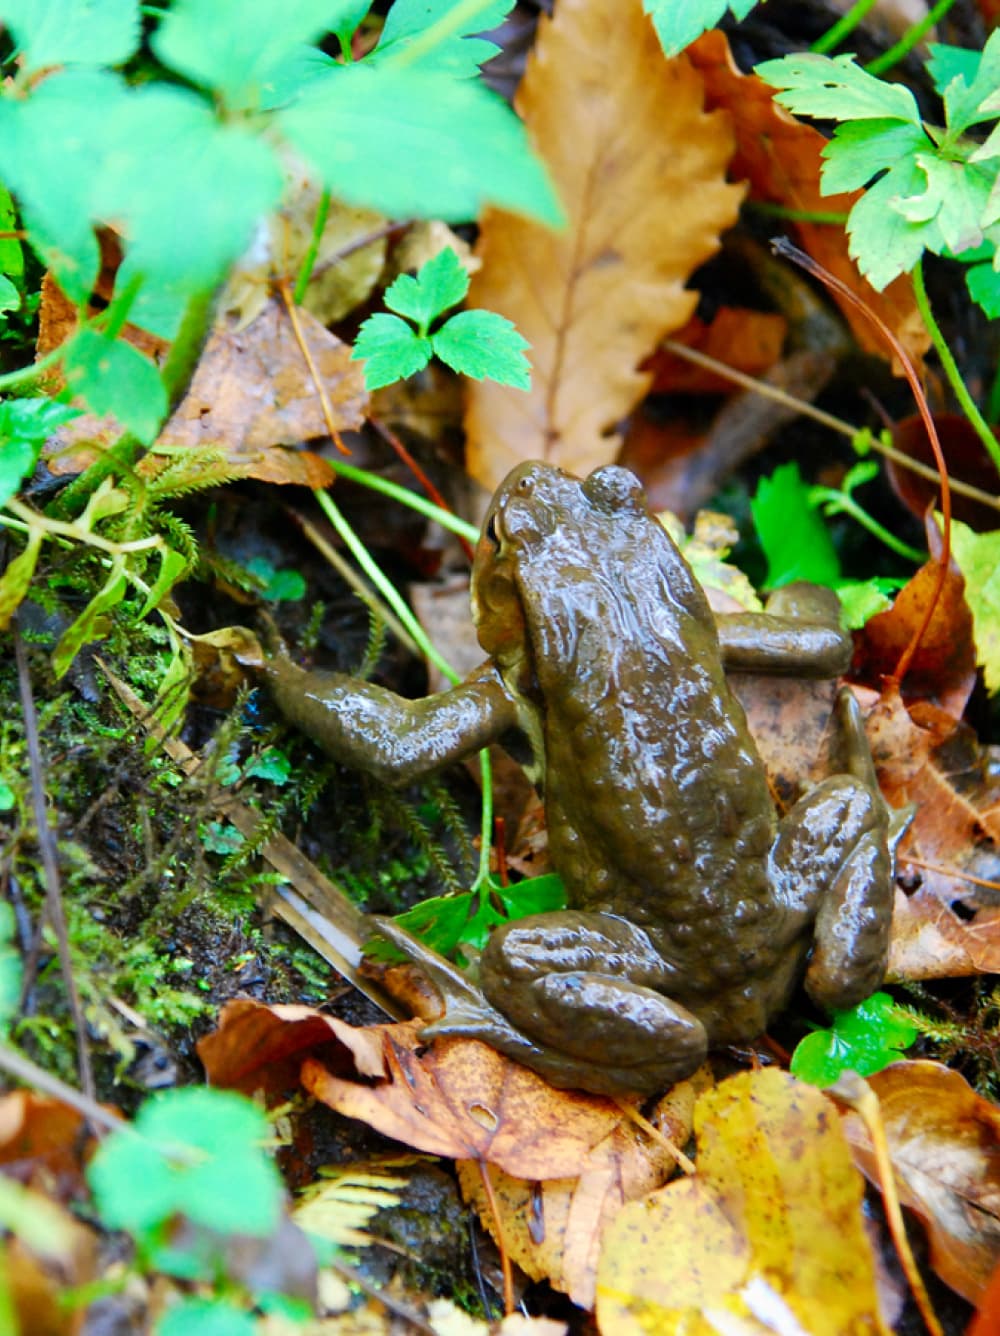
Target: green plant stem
[(176, 375), (26, 374), (993, 402), (950, 367), (843, 27), (383, 584), (909, 39), (831, 216), (309, 259), (407, 498), (486, 823), (834, 503)]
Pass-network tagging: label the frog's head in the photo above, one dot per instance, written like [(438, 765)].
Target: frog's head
[(563, 567)]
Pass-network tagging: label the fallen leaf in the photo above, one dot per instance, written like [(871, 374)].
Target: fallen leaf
[(252, 399), (553, 1229), (767, 1236), (923, 757), (967, 461), (640, 170), (781, 158), (944, 1143), (42, 1138), (943, 669), (748, 341)]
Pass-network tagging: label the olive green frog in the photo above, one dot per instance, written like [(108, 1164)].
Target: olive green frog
[(694, 911)]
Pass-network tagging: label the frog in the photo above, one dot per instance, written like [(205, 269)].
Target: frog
[(693, 910)]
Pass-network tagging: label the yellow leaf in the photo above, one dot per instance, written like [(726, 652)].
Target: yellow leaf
[(640, 170), (766, 1237)]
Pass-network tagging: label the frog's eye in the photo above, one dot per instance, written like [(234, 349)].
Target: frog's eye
[(614, 488)]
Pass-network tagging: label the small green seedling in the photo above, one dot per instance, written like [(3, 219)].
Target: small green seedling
[(480, 344), (864, 1039)]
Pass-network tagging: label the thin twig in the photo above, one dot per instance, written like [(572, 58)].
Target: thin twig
[(508, 1274), (285, 290), (50, 865)]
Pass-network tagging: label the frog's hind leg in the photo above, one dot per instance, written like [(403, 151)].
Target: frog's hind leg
[(833, 859)]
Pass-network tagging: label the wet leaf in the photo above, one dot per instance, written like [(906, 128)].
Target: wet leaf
[(864, 1040), (595, 299), (767, 1236), (944, 1142)]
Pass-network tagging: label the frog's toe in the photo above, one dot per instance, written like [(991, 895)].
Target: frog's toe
[(851, 950)]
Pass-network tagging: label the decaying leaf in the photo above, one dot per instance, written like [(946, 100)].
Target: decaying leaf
[(767, 1236), (944, 1142), (947, 925), (553, 1229), (253, 398), (780, 156), (748, 341), (640, 170)]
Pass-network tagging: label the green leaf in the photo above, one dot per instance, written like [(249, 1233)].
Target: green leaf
[(861, 600), (73, 32), (864, 1039), (374, 135), (484, 345), (11, 250), (983, 283), (221, 837), (978, 558), (391, 350), (277, 586), (10, 298), (951, 62), (442, 282), (206, 1317), (16, 579), (8, 800), (115, 378), (227, 177), (884, 242), (955, 198), (271, 765), (795, 540), (534, 895), (172, 567), (25, 425), (233, 46), (51, 153), (679, 22), (860, 150), (92, 623), (459, 54), (966, 101), (836, 88), (198, 1152)]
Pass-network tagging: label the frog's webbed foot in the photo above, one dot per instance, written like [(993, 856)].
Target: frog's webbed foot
[(609, 1035)]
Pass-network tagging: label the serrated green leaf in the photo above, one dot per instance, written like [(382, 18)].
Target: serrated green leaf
[(25, 425), (978, 558), (233, 46), (864, 1039), (679, 22), (391, 350), (113, 377), (73, 32), (955, 198), (860, 600), (836, 88), (52, 146), (16, 579), (372, 133), (884, 243), (983, 283), (859, 150), (441, 283), (534, 895), (795, 540), (272, 765), (459, 54), (484, 346), (951, 62), (227, 177), (966, 101), (92, 624)]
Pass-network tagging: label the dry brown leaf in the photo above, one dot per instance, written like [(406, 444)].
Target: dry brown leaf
[(553, 1229), (924, 758), (749, 341), (781, 158), (640, 169), (944, 1142), (252, 398), (767, 1236)]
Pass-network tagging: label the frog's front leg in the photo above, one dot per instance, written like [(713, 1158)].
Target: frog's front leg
[(573, 996), (833, 861), (394, 739)]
